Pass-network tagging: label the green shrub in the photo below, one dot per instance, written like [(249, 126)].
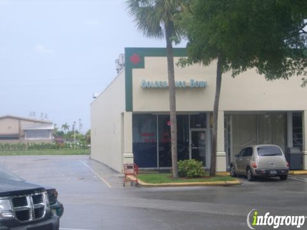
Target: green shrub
[(32, 146), (190, 169)]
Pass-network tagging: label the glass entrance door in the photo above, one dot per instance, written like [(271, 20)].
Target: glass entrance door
[(198, 145)]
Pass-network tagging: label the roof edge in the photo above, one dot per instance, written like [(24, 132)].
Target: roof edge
[(26, 119)]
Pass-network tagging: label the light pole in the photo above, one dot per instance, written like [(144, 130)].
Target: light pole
[(74, 134)]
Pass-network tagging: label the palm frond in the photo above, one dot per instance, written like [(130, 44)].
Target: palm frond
[(152, 17)]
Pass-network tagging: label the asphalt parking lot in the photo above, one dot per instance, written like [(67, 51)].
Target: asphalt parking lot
[(95, 199)]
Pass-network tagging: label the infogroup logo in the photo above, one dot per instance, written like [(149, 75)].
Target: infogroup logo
[(254, 219)]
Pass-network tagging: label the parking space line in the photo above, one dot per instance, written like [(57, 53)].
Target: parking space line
[(101, 178), (298, 178), (73, 229)]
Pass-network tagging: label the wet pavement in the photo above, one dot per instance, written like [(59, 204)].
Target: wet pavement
[(95, 199)]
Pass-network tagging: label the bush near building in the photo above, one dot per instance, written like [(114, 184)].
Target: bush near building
[(190, 169)]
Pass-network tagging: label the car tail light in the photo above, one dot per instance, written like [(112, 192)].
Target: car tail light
[(254, 165), (287, 164)]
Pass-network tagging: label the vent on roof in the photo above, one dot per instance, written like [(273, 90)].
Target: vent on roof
[(120, 63)]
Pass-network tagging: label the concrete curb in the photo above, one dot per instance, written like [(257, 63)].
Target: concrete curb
[(298, 172), (194, 184), (187, 184), (218, 183)]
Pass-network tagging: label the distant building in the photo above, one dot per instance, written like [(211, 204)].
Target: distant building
[(15, 129)]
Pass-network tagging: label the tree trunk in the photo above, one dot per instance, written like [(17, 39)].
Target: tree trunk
[(215, 115), (172, 102)]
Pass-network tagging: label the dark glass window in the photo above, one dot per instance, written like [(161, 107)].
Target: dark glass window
[(241, 153), (269, 151), (165, 159), (297, 130), (37, 134), (198, 120), (183, 137), (149, 147), (248, 152), (145, 140), (9, 137), (165, 153)]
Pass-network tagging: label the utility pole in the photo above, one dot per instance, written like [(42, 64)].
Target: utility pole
[(80, 125), (74, 128)]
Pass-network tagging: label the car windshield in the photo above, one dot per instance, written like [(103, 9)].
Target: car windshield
[(269, 151), (9, 176)]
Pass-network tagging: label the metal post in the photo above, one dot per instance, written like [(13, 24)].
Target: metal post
[(74, 134)]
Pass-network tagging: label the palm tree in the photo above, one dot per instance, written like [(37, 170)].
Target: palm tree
[(65, 127), (156, 19)]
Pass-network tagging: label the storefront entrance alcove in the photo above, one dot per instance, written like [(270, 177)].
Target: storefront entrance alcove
[(152, 139), (255, 128)]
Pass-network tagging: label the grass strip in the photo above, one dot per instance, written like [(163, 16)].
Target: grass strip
[(158, 178), (46, 152)]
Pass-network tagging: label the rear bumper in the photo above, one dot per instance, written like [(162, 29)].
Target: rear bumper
[(271, 172)]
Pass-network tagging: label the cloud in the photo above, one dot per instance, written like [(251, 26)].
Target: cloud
[(44, 50)]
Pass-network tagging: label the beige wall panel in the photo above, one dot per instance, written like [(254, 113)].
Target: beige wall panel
[(9, 126), (247, 92), (106, 124), (251, 92), (156, 99)]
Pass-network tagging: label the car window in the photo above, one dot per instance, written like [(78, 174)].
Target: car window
[(248, 152), (241, 152), (269, 151)]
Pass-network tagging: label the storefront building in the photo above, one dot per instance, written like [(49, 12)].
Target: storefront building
[(130, 118)]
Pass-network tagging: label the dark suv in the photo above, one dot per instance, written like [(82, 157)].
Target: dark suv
[(27, 206)]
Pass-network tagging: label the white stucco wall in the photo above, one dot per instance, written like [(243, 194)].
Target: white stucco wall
[(106, 124)]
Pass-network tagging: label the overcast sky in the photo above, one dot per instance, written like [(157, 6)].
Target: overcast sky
[(54, 54)]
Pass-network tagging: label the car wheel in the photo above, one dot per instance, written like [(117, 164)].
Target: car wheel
[(232, 171), (283, 177), (250, 175)]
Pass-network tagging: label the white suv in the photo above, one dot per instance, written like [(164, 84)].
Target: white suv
[(260, 161)]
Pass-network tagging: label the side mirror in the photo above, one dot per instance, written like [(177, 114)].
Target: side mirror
[(237, 155)]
